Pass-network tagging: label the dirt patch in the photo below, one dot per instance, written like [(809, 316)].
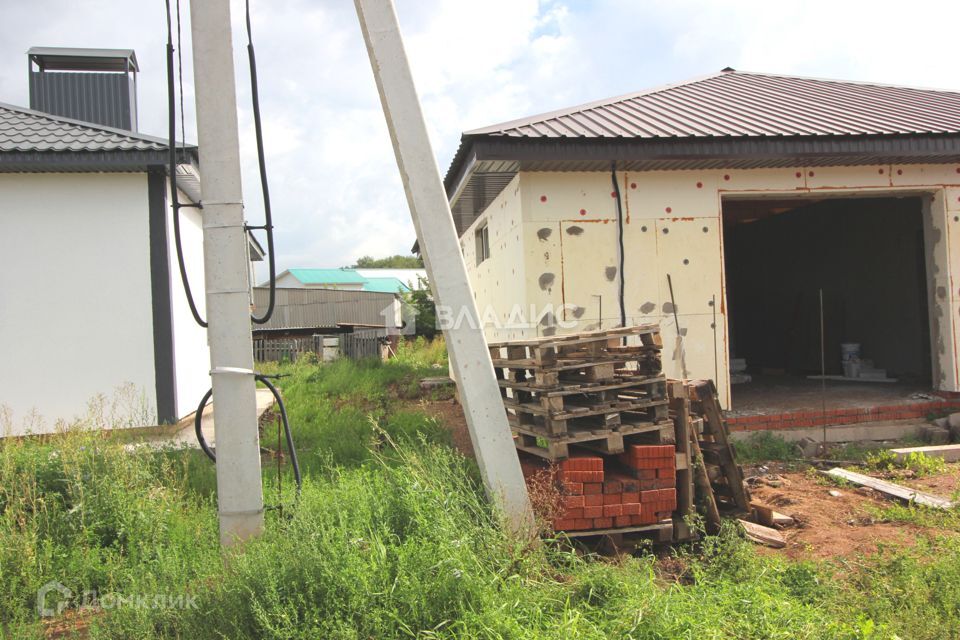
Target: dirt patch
[(830, 526), (945, 484), (450, 413)]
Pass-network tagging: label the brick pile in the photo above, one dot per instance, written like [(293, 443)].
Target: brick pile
[(636, 488)]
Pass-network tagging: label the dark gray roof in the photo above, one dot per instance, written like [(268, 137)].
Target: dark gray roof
[(27, 130), (729, 119), (735, 103), (32, 140)]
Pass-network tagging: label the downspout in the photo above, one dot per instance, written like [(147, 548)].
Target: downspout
[(616, 193)]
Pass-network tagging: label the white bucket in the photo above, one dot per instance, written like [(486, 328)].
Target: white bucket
[(849, 351)]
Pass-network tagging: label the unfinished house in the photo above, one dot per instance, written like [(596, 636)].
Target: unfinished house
[(727, 207)]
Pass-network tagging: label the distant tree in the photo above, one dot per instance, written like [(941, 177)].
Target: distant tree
[(390, 262), (422, 301)]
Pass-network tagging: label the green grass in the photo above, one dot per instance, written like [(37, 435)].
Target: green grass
[(393, 538), (764, 446)]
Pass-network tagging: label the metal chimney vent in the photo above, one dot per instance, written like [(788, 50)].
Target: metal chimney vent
[(93, 85)]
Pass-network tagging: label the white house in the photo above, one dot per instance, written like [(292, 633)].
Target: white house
[(91, 302)]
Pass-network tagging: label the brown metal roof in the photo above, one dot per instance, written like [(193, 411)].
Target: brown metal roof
[(730, 119), (735, 103)]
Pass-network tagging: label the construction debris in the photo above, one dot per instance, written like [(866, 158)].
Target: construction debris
[(949, 452), (766, 516), (891, 489), (934, 435), (763, 535)]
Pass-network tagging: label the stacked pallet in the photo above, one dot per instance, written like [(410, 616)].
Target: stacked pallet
[(586, 389)]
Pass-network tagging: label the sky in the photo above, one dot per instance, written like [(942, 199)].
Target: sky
[(335, 188)]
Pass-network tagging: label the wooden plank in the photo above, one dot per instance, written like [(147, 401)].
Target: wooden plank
[(891, 489), (763, 535), (949, 452), (583, 388), (583, 337), (768, 517), (685, 491), (570, 412), (703, 484), (660, 526)]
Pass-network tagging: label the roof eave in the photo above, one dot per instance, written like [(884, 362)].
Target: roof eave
[(592, 154), (87, 161)]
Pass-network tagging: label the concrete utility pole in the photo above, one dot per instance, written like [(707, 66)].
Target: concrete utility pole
[(239, 488), (469, 357)]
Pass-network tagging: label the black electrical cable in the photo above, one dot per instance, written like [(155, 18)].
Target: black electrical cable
[(198, 421), (268, 216), (174, 199), (616, 192)]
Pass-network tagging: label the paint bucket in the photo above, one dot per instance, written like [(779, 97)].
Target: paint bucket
[(849, 351), (850, 359)]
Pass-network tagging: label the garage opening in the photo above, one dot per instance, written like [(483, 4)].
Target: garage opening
[(867, 256)]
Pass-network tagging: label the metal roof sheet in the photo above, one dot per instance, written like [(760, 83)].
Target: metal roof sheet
[(746, 104), (385, 285), (328, 276), (25, 130)]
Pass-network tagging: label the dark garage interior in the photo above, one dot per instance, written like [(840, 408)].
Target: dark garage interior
[(867, 254)]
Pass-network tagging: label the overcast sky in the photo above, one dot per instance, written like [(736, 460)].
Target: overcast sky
[(336, 191)]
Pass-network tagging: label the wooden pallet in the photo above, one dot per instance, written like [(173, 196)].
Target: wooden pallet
[(610, 440), (588, 357), (649, 334)]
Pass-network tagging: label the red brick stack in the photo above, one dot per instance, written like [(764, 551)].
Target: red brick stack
[(654, 465), (599, 493)]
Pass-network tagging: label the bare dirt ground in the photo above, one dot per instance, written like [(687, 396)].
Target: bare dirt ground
[(844, 525), (827, 526)]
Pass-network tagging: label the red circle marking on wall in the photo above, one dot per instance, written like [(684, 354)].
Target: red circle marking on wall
[(799, 175), (899, 172), (810, 174), (699, 185), (613, 194), (633, 185), (880, 171), (583, 212), (669, 210), (726, 177), (543, 198)]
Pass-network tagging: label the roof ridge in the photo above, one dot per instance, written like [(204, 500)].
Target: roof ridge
[(606, 102), (862, 83), (93, 126), (595, 103)]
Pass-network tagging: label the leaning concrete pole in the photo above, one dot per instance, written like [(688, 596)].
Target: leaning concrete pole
[(469, 357), (239, 488)]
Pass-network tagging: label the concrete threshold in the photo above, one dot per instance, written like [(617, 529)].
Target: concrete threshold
[(887, 430), (183, 434)]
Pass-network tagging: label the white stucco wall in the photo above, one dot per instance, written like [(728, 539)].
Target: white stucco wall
[(500, 286), (75, 296), (566, 249), (191, 352)]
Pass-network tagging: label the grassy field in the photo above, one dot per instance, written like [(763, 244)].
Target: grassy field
[(392, 538)]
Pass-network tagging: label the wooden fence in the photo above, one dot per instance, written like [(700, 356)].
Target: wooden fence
[(286, 349), (363, 344), (360, 344)]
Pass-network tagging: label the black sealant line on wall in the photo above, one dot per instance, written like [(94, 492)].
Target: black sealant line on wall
[(616, 191), (163, 354)]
